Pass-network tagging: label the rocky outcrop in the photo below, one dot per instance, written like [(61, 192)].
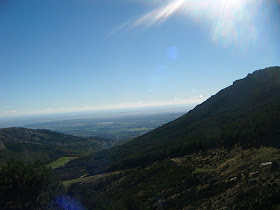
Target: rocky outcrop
[(2, 146)]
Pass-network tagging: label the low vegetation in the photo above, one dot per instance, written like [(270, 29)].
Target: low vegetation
[(60, 162), (215, 179), (27, 185), (46, 145)]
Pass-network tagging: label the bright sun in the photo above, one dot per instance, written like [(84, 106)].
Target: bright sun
[(230, 20)]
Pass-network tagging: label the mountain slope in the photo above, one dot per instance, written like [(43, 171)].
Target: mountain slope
[(40, 136), (245, 113), (217, 156), (215, 179), (243, 99), (45, 144)]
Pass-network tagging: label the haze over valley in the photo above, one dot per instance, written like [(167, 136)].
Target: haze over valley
[(140, 104)]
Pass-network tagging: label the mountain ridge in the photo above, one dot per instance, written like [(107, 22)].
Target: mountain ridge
[(24, 143), (25, 135), (224, 154), (211, 124)]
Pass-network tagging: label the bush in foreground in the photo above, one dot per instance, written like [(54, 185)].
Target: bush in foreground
[(27, 185)]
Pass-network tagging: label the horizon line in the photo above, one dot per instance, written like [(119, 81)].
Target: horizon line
[(116, 107)]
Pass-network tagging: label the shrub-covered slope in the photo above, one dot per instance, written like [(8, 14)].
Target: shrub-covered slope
[(214, 179), (38, 144)]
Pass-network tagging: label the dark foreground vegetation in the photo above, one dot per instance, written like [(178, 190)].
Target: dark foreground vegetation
[(224, 154), (214, 179), (26, 185)]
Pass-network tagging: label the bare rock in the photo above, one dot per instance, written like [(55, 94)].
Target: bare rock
[(2, 146)]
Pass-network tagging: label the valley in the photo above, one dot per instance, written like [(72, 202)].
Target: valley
[(223, 154), (117, 128), (46, 145), (140, 105)]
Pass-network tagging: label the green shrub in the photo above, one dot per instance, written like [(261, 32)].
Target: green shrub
[(26, 185)]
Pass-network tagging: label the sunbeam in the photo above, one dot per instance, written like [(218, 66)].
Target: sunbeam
[(231, 21)]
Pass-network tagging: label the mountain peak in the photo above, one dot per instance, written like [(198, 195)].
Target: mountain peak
[(264, 76)]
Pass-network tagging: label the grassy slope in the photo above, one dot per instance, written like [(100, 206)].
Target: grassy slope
[(60, 162), (219, 178)]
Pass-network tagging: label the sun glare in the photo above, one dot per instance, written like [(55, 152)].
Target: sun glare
[(231, 21)]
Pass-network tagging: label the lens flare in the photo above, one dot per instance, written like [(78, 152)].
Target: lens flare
[(161, 14), (230, 21)]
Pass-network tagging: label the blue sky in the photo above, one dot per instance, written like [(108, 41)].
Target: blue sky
[(79, 55)]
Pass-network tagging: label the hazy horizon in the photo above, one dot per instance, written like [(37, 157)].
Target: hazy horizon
[(21, 121), (83, 55)]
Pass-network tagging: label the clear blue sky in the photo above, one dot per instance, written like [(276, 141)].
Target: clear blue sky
[(75, 55)]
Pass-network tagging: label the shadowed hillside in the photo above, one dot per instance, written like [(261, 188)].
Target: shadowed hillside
[(246, 113), (31, 144), (224, 154)]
